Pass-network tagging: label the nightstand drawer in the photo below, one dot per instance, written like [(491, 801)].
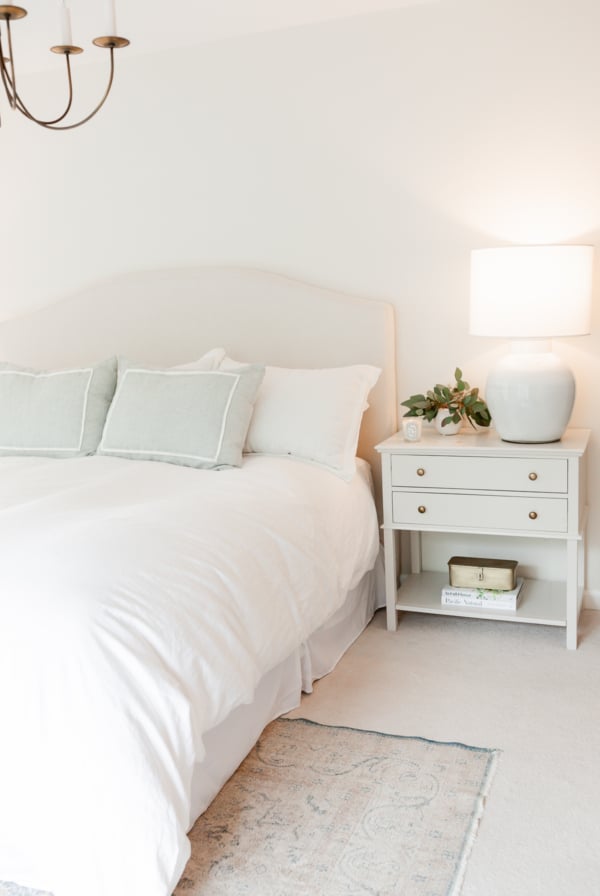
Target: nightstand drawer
[(531, 514), (515, 474)]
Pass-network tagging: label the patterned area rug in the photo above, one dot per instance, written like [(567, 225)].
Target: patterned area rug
[(339, 812)]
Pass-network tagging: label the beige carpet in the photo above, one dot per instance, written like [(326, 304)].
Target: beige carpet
[(331, 811), (335, 811)]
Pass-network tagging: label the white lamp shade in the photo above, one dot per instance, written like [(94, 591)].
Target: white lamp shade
[(532, 292)]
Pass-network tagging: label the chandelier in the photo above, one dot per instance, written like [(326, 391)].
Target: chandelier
[(66, 48)]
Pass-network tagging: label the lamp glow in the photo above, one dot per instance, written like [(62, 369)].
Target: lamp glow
[(530, 294)]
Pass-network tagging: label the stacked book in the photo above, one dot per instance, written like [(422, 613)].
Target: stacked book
[(482, 597)]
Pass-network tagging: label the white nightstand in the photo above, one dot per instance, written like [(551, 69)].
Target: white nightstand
[(476, 483)]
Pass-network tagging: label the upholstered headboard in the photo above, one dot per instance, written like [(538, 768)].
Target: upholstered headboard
[(172, 316)]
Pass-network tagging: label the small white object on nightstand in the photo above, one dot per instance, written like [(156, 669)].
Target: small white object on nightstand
[(412, 428)]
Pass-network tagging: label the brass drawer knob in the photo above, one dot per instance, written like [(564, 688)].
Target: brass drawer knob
[(532, 515), (422, 508), (533, 476), (420, 471)]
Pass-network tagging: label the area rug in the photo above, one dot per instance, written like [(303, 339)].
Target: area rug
[(340, 812), (321, 811)]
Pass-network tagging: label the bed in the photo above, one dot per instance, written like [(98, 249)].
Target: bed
[(156, 618)]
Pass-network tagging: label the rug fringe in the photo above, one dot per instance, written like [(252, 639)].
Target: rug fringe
[(471, 834)]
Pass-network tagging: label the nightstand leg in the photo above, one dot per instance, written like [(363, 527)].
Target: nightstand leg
[(391, 579), (581, 568), (573, 589), (415, 552)]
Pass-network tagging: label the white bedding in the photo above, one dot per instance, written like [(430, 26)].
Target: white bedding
[(139, 604)]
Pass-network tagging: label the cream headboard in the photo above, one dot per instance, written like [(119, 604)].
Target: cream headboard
[(172, 316)]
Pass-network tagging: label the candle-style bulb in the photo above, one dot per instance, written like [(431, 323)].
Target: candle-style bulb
[(111, 18), (64, 17)]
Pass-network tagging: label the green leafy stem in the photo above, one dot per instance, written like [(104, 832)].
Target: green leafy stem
[(460, 401)]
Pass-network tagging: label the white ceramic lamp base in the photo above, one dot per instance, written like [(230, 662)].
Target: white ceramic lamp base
[(530, 394)]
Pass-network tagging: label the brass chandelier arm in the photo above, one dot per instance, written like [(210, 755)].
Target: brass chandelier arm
[(11, 58), (11, 91), (6, 79), (25, 111), (5, 82), (69, 127), (52, 124), (22, 108)]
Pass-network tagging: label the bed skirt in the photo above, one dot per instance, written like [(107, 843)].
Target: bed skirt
[(280, 690)]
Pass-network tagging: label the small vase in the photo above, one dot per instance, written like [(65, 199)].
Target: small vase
[(450, 429)]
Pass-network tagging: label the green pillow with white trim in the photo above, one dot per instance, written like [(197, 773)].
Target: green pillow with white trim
[(196, 418), (54, 413)]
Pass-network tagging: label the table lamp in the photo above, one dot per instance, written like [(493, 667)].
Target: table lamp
[(530, 294)]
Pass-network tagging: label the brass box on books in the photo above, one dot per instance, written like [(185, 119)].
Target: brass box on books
[(475, 572)]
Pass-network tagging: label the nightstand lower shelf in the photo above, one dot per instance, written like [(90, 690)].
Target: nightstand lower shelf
[(542, 602)]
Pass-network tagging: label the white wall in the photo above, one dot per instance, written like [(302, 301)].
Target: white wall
[(370, 155)]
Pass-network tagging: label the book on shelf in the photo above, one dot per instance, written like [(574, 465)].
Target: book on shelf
[(482, 597)]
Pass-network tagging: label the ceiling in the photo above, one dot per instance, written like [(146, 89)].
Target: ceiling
[(153, 26)]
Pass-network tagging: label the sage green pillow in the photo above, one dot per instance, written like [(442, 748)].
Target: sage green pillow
[(197, 418), (55, 413)]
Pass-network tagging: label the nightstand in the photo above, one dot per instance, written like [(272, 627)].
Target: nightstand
[(477, 484)]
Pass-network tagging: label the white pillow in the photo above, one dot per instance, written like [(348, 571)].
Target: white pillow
[(314, 415), (210, 361)]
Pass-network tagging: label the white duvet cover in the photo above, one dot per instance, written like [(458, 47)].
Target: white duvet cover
[(140, 603)]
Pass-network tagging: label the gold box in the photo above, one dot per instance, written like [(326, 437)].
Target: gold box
[(476, 572)]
